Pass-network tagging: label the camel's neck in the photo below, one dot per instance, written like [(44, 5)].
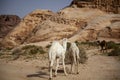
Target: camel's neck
[(65, 45)]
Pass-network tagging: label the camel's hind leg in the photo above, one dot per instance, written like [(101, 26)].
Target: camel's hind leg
[(64, 65), (57, 66), (77, 66), (50, 66)]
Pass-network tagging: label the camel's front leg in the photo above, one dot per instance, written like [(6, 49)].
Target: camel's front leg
[(64, 66), (50, 65), (78, 59), (77, 66)]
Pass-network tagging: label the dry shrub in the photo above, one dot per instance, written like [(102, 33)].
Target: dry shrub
[(28, 51), (111, 45), (115, 48), (115, 52), (83, 56), (31, 49)]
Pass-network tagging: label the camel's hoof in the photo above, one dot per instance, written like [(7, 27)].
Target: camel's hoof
[(50, 78), (77, 72), (54, 75), (66, 74)]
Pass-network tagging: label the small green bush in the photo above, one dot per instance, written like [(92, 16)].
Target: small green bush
[(115, 49), (118, 44), (83, 56), (28, 47), (90, 43), (16, 51), (31, 49), (114, 52), (27, 51), (111, 45), (1, 53), (84, 42)]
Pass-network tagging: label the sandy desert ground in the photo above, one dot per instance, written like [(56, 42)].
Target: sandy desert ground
[(97, 67)]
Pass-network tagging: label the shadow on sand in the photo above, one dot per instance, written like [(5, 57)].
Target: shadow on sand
[(43, 73), (39, 74)]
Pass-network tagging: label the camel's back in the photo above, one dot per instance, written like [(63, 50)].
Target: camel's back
[(56, 48), (74, 49)]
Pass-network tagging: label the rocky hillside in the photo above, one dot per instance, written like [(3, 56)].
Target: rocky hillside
[(81, 24), (102, 27), (110, 6), (22, 31), (7, 23)]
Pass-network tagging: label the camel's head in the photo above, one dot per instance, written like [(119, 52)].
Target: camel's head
[(65, 40)]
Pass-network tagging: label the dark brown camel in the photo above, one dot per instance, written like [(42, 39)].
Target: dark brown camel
[(103, 45)]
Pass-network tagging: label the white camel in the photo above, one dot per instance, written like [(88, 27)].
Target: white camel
[(57, 52), (74, 54)]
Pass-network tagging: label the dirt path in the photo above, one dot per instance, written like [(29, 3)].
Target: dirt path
[(98, 67)]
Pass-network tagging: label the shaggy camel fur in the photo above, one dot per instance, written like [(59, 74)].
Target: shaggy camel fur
[(74, 53), (57, 52)]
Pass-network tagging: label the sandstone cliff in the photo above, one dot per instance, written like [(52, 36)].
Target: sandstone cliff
[(74, 23), (99, 28), (110, 6), (19, 34)]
